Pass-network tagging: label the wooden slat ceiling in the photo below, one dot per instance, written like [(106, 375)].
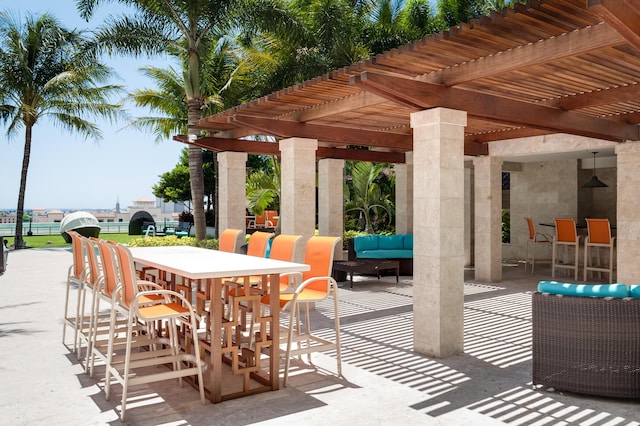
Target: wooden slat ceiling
[(553, 66)]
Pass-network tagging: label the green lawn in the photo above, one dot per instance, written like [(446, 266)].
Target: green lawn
[(39, 241)]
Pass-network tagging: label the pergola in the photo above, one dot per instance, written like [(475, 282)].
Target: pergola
[(547, 67)]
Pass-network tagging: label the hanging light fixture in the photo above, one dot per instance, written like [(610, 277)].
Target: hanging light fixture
[(595, 182)]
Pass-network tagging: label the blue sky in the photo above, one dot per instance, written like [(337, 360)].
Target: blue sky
[(67, 171)]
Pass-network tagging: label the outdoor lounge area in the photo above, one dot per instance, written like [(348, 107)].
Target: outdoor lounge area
[(384, 381)]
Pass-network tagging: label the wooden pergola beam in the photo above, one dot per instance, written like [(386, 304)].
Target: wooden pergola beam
[(421, 95), (566, 45), (335, 134), (622, 15), (595, 98), (271, 148)]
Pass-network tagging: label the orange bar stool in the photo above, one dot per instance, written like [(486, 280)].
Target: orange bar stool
[(598, 238)]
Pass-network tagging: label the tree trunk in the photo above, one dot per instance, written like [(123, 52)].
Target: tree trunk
[(19, 241), (196, 175)]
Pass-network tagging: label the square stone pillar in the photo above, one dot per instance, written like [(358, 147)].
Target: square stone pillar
[(232, 180), (468, 216), (438, 244), (628, 214), (404, 195), (488, 218), (331, 200), (298, 189)]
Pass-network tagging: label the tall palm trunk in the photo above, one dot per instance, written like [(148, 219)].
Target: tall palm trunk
[(196, 175), (19, 242)]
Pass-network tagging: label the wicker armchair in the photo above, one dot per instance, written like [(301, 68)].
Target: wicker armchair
[(587, 345)]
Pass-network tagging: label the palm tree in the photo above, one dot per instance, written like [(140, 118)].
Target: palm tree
[(366, 195), (188, 28), (46, 71), (263, 189)]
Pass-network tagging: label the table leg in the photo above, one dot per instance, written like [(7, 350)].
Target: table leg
[(215, 319), (274, 358), (351, 279), (398, 274)]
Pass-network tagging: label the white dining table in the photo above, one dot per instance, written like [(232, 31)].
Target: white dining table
[(213, 265)]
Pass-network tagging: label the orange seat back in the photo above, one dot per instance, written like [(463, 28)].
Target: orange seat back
[(260, 220), (271, 217), (284, 247), (532, 229), (319, 256), (228, 240), (566, 231), (108, 261), (599, 231), (92, 260), (258, 243), (78, 253), (127, 274)]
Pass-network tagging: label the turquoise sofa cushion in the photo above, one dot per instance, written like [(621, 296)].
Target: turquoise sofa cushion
[(594, 290), (407, 241), (365, 242), (390, 242), (634, 291), (385, 254)]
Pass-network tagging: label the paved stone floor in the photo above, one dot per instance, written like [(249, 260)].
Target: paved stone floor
[(383, 382)]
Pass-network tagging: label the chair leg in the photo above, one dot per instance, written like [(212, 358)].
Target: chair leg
[(553, 260), (287, 362), (337, 327)]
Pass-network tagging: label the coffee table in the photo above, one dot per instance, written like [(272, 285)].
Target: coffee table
[(366, 266)]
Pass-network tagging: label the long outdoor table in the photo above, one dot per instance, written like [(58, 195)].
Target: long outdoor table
[(203, 264)]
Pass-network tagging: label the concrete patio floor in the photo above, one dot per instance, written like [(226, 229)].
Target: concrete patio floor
[(384, 381)]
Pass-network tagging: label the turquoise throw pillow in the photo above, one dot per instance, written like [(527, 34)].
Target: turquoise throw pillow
[(587, 290), (390, 242), (634, 291), (408, 241), (365, 242)]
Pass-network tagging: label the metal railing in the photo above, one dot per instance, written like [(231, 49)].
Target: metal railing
[(48, 228)]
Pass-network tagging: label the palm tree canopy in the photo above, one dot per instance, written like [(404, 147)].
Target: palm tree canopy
[(46, 70)]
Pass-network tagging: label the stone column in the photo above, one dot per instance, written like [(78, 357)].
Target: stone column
[(404, 195), (488, 218), (232, 177), (468, 216), (331, 200), (438, 250), (298, 189), (628, 214)]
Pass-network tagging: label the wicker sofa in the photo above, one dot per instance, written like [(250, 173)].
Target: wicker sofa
[(589, 344), (397, 247)]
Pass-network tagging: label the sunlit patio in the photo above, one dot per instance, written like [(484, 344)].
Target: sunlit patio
[(384, 381)]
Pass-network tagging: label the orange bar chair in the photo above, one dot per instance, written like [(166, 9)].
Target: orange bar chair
[(312, 286), (567, 237), (75, 276), (598, 238), (535, 238), (135, 306), (283, 248), (230, 241)]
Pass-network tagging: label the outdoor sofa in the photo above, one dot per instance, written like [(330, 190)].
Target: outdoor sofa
[(586, 338), (395, 247)]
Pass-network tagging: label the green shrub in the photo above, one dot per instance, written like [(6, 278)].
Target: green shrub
[(506, 226), (172, 240), (349, 235)]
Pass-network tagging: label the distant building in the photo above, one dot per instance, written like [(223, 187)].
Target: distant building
[(40, 215), (6, 217), (157, 208)]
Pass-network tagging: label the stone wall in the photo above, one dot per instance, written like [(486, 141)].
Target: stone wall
[(542, 191)]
